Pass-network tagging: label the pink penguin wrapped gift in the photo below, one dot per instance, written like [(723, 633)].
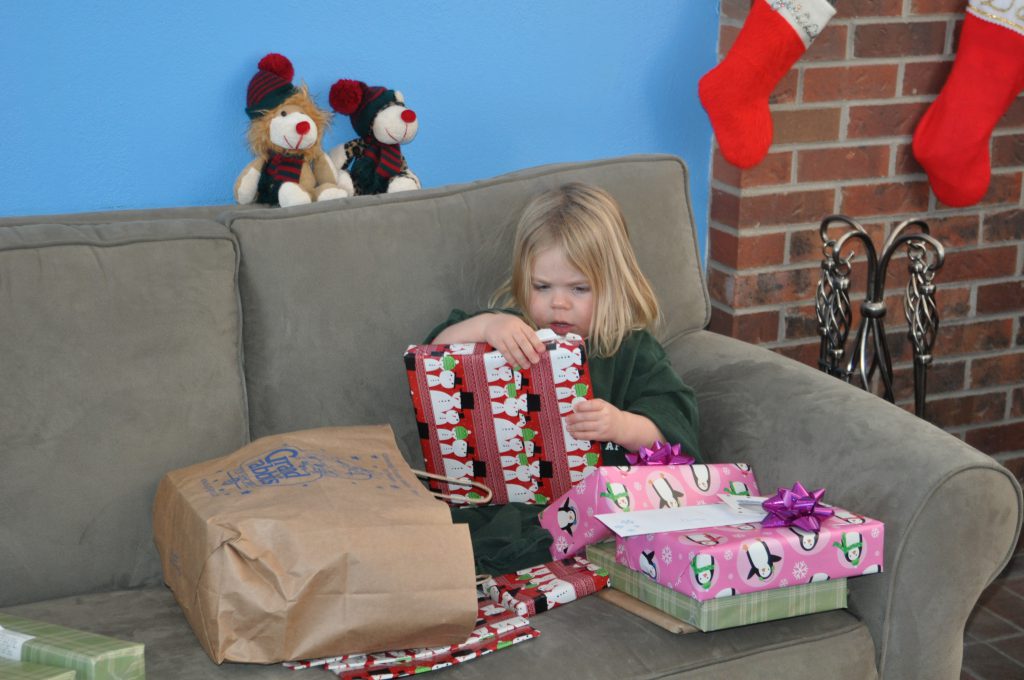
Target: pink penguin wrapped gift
[(572, 518), (801, 540)]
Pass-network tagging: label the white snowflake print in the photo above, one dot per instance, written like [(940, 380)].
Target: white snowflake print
[(590, 512), (620, 550), (783, 583), (799, 570), (875, 532), (562, 543), (727, 555), (589, 534), (666, 555)]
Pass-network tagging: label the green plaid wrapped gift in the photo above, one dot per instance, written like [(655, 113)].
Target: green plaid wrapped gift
[(92, 656), (725, 612), (21, 670)]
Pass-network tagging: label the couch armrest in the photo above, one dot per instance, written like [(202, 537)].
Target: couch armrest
[(952, 514)]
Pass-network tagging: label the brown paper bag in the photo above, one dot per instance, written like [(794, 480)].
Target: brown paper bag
[(313, 544)]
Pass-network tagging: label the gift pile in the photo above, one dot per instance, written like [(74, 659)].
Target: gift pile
[(752, 557), (484, 420), (794, 544)]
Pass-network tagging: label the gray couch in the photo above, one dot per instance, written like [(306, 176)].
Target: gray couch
[(137, 342)]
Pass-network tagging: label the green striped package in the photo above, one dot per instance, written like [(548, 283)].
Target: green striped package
[(22, 670), (92, 656), (725, 612)]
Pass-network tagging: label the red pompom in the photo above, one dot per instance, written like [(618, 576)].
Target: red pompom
[(346, 95), (277, 64)]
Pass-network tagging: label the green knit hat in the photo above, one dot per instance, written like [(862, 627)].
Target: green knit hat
[(360, 102), (271, 85)]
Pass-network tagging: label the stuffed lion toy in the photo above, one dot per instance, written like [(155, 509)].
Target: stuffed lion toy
[(285, 131)]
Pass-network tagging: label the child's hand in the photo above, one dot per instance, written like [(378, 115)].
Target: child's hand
[(596, 420), (514, 338)]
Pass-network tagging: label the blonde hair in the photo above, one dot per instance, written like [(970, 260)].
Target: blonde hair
[(587, 224)]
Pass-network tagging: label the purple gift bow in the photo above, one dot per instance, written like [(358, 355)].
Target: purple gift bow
[(660, 454), (796, 507)]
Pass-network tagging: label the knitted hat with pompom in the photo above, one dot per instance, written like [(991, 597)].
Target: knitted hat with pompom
[(360, 102), (271, 85)]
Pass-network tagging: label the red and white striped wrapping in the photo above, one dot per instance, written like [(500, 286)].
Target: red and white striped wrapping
[(481, 419), (497, 628), (529, 592)]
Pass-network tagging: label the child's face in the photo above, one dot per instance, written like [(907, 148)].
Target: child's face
[(561, 297)]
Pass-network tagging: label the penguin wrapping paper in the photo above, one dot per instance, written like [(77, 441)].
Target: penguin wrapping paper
[(306, 544), (482, 419), (749, 558), (572, 518), (531, 591)]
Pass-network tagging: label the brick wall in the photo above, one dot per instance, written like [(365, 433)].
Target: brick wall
[(844, 117)]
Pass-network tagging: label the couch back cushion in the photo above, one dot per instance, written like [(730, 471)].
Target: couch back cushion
[(120, 359), (333, 293)]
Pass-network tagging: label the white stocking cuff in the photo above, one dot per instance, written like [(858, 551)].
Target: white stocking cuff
[(1006, 13), (808, 17)]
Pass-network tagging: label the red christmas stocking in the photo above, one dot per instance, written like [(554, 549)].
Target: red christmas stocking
[(735, 93), (952, 140)]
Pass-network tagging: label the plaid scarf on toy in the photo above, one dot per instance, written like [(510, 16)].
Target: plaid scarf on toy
[(386, 158), (279, 169), (284, 168)]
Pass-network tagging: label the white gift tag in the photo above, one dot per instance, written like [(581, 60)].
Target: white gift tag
[(687, 518), (11, 643), (745, 504)]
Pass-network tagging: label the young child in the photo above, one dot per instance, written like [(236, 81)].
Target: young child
[(574, 271)]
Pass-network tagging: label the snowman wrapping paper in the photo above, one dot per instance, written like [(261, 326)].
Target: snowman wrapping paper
[(572, 519), (537, 589), (482, 419), (496, 628), (749, 558)]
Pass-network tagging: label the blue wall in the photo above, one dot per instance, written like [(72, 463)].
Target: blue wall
[(112, 105)]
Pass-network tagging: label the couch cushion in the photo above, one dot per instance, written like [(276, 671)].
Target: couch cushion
[(589, 638), (119, 360), (206, 212), (333, 293)]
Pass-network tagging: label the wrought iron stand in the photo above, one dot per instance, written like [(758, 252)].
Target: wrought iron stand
[(870, 351)]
